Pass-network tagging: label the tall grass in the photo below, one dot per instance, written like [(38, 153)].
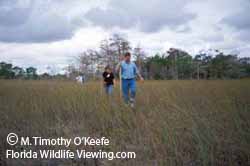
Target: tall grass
[(174, 123)]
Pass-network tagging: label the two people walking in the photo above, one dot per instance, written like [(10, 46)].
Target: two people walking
[(128, 73)]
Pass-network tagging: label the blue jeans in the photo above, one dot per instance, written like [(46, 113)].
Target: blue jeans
[(109, 89), (128, 86)]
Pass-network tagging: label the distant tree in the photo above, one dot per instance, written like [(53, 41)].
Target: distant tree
[(140, 58), (108, 54), (180, 63), (119, 46), (71, 71), (157, 66), (89, 61), (45, 76), (31, 73), (225, 66), (6, 71), (173, 65), (18, 72), (201, 65), (245, 66)]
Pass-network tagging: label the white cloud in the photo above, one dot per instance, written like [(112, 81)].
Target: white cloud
[(149, 17), (58, 53), (50, 33), (41, 20)]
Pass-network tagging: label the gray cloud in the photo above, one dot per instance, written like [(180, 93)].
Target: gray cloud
[(240, 21), (34, 21), (11, 14), (109, 18), (42, 29), (244, 35), (149, 17)]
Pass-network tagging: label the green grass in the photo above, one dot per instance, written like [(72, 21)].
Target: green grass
[(174, 123)]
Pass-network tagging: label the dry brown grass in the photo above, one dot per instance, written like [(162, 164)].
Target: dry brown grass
[(175, 122)]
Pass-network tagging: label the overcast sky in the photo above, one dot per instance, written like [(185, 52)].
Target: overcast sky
[(45, 33)]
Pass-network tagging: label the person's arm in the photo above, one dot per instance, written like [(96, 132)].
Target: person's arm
[(139, 75)]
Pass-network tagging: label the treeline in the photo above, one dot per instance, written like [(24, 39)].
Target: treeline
[(178, 64), (8, 71), (171, 64)]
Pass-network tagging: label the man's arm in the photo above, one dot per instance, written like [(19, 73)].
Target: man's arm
[(141, 78), (138, 73)]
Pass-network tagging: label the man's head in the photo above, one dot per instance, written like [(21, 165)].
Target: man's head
[(127, 57)]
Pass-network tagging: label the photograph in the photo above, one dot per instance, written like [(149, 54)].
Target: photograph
[(124, 83)]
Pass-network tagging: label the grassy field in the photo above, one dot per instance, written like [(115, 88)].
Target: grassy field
[(175, 122)]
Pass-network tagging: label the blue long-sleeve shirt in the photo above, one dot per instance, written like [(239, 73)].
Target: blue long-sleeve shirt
[(128, 70)]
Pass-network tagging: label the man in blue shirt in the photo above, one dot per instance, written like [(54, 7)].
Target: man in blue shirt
[(128, 75)]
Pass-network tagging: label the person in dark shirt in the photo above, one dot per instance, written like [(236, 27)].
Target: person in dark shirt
[(109, 80)]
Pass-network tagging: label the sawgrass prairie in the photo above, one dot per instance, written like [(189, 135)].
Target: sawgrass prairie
[(174, 123)]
